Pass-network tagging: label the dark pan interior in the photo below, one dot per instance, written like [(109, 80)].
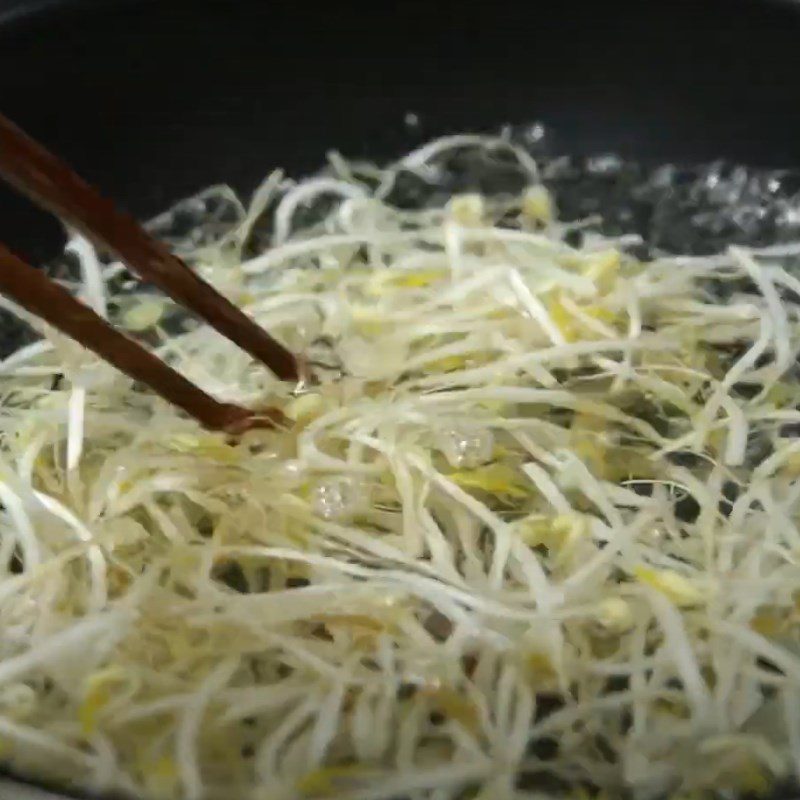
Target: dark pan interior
[(154, 99)]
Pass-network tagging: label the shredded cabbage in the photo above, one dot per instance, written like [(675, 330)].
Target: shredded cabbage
[(534, 529)]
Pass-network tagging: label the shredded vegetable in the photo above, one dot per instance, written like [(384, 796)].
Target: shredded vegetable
[(533, 531)]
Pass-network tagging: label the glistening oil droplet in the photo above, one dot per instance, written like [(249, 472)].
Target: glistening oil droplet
[(467, 446), (336, 497)]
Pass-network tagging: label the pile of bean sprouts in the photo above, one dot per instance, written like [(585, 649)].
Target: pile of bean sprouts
[(532, 532)]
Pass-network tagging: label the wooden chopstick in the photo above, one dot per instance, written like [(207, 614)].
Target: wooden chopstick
[(45, 298), (54, 186)]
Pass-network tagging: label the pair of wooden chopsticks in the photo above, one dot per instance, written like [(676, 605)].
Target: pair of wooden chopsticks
[(51, 184)]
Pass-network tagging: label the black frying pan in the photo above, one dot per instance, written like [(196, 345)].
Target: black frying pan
[(154, 99)]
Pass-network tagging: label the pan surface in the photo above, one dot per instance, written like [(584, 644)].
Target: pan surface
[(154, 99)]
